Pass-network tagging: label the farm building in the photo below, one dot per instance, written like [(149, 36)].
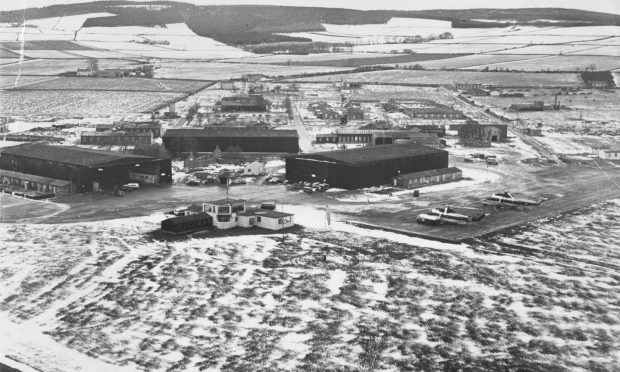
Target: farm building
[(84, 71), (478, 132), (610, 154), (188, 223), (376, 136), (429, 177), (18, 180), (254, 103), (364, 167), (117, 138), (237, 139), (87, 170)]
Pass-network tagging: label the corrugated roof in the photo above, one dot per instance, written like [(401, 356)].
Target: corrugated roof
[(229, 132), (72, 155), (370, 154), (34, 178)]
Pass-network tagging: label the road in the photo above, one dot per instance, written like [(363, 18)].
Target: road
[(305, 139)]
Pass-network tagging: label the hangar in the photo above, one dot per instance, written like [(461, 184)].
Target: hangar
[(86, 169), (364, 167), (237, 139)]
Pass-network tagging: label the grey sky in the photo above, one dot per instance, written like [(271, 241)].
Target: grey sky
[(609, 6)]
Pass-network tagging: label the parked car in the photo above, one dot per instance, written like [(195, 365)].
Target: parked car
[(309, 189), (130, 186), (268, 206), (492, 161)]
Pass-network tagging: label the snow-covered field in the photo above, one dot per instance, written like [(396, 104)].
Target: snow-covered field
[(338, 297), (56, 28)]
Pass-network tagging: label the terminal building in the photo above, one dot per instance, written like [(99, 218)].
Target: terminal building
[(364, 167), (85, 169), (237, 139)]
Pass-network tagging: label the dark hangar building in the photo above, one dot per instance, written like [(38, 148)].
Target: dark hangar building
[(364, 167), (87, 170), (241, 139)]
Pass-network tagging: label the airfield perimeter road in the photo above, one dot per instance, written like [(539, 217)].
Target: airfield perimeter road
[(568, 188)]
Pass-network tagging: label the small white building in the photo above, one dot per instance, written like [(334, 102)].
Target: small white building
[(255, 168), (609, 154), (266, 219), (225, 212)]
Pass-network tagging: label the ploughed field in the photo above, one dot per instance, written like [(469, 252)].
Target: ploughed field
[(301, 301), (91, 96), (81, 102), (449, 77)]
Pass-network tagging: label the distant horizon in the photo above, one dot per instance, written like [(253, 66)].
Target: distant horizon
[(604, 6)]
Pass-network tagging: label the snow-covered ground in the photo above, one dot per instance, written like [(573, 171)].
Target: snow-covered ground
[(330, 295)]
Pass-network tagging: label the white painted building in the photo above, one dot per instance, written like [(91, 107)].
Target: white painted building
[(609, 154), (225, 212), (266, 219)]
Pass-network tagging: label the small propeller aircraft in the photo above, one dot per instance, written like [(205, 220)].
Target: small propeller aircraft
[(448, 215), (506, 198)]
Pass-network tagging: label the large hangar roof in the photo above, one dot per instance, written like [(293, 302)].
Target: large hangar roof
[(371, 154), (230, 132), (73, 155)]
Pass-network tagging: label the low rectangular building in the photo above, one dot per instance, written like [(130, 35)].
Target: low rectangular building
[(364, 167), (31, 182), (609, 154), (116, 138), (377, 137), (429, 177), (231, 139), (186, 224)]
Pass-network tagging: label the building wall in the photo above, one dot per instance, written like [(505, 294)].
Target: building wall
[(274, 223), (413, 182), (346, 176), (36, 186), (177, 145), (609, 155)]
